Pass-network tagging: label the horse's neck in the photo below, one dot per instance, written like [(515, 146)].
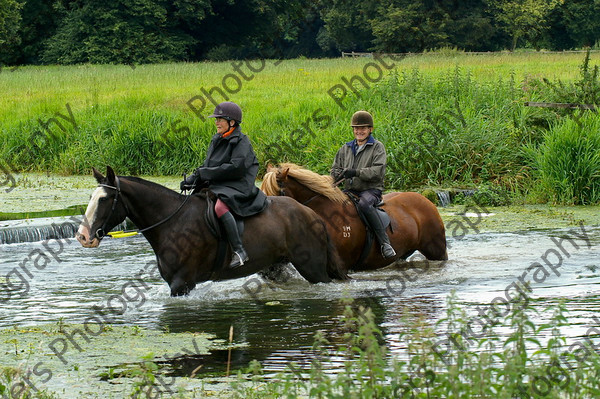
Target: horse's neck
[(147, 206), (301, 193)]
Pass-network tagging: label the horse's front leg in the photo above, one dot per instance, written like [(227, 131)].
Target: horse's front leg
[(180, 285)]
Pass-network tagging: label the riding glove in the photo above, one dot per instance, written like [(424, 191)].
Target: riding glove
[(349, 173), (191, 181)]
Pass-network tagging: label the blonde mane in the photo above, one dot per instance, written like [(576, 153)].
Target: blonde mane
[(321, 184)]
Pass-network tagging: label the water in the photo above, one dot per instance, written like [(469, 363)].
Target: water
[(275, 323), (41, 229)]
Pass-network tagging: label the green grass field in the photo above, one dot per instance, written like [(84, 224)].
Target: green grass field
[(137, 118)]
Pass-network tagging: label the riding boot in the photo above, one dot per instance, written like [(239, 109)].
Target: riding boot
[(239, 255), (375, 223)]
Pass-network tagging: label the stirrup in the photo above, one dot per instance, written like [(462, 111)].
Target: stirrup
[(237, 259), (387, 251)]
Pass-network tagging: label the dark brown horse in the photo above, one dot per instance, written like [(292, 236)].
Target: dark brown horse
[(416, 224), (186, 250)]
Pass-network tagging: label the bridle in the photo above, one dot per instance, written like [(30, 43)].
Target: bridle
[(101, 232)]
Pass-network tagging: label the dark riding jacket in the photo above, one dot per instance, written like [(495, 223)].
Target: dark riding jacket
[(230, 168), (369, 163)]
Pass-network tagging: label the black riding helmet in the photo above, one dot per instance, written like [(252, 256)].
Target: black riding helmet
[(229, 111)]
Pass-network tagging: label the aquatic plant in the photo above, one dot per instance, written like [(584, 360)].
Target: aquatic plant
[(14, 385)]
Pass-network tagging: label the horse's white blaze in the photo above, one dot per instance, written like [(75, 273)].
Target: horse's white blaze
[(84, 231)]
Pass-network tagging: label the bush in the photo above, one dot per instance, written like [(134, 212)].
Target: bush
[(568, 161)]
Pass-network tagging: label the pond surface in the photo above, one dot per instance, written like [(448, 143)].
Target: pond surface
[(274, 323)]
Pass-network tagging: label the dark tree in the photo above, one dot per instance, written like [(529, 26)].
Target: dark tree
[(120, 31), (10, 20)]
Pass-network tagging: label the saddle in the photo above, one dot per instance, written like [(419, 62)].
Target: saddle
[(370, 237), (211, 219)]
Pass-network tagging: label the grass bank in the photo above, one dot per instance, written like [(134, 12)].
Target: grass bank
[(447, 118)]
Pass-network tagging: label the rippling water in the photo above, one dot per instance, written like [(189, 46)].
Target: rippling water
[(277, 323)]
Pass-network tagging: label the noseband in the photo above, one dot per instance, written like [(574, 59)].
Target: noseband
[(101, 232)]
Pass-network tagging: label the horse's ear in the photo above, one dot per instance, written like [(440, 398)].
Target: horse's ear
[(97, 175), (284, 173), (110, 175), (270, 167)]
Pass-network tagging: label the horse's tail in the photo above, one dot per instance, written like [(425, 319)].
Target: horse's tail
[(335, 266)]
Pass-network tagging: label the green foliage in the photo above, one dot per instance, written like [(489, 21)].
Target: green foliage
[(410, 27), (144, 375), (124, 31), (524, 18), (586, 90), (485, 195), (526, 360), (568, 161), (449, 130), (347, 23), (10, 19), (574, 24), (38, 23), (14, 384), (443, 126), (145, 31)]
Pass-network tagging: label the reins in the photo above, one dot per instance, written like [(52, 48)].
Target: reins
[(100, 233)]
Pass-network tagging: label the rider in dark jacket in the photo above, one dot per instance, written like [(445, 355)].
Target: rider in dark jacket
[(229, 171)]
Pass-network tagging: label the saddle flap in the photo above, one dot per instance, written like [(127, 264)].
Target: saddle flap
[(213, 221), (210, 217), (383, 216)]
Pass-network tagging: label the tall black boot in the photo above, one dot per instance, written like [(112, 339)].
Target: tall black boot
[(375, 223), (233, 236)]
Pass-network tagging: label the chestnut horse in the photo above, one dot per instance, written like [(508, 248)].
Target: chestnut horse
[(185, 248), (415, 225)]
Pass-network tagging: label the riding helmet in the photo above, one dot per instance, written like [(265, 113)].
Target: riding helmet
[(228, 110), (362, 118)]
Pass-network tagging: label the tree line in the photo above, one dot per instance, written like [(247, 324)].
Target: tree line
[(148, 31)]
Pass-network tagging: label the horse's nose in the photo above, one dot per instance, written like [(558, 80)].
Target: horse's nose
[(81, 238)]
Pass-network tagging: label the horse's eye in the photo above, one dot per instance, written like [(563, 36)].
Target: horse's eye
[(102, 199)]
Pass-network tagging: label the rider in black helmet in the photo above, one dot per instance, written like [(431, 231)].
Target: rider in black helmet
[(361, 162), (229, 171)]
